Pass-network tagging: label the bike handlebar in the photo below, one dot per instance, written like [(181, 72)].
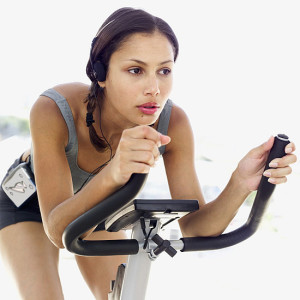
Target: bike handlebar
[(259, 207), (100, 212)]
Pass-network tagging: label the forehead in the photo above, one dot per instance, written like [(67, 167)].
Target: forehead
[(141, 45)]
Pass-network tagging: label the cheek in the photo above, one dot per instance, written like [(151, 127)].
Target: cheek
[(121, 91), (166, 87)]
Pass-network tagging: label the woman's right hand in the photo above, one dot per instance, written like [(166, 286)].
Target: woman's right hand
[(137, 152)]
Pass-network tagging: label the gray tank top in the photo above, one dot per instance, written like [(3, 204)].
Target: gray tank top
[(80, 176)]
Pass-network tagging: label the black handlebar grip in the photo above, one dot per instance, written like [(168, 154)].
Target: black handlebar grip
[(266, 188), (278, 149), (263, 195)]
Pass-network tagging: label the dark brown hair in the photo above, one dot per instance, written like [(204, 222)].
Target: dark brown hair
[(114, 31)]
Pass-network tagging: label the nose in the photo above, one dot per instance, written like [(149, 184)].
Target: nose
[(152, 86)]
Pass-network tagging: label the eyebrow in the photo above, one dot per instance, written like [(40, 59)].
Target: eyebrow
[(143, 63)]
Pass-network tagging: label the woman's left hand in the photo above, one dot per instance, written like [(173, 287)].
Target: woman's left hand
[(251, 167)]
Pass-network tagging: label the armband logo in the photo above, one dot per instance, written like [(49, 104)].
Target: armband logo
[(19, 187)]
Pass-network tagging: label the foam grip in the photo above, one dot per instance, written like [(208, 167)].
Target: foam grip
[(266, 188), (278, 149)]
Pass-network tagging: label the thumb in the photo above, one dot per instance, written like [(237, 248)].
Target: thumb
[(265, 147), (164, 139), (268, 144)]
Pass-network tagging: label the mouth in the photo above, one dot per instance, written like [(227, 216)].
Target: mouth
[(149, 108)]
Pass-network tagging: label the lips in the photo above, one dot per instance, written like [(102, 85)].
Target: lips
[(149, 108)]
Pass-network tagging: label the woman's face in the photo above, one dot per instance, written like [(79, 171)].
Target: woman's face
[(139, 79)]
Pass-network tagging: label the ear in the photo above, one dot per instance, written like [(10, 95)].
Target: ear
[(101, 84)]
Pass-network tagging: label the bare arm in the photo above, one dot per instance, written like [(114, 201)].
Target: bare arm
[(58, 204), (213, 218), (136, 153)]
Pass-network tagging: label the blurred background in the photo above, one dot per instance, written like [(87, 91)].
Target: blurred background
[(237, 77)]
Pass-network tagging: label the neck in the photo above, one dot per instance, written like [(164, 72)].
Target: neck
[(111, 125)]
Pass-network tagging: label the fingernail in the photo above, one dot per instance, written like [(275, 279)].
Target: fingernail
[(267, 174), (159, 142), (288, 150), (273, 165), (271, 180)]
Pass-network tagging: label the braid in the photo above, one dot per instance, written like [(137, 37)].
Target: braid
[(91, 99)]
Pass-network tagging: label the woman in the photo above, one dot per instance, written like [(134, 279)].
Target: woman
[(88, 141)]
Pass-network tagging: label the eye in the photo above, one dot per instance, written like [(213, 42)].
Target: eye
[(135, 71), (165, 71)]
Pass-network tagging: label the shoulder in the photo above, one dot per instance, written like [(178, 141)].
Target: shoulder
[(178, 116), (180, 129), (46, 121), (73, 90), (45, 115), (75, 94)]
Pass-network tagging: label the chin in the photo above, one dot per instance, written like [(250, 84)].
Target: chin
[(148, 120)]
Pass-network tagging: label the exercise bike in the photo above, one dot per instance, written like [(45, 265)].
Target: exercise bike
[(122, 211)]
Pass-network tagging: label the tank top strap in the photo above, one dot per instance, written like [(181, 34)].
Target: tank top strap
[(163, 123), (66, 112)]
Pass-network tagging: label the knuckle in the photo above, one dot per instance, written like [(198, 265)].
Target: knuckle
[(143, 168), (151, 145), (125, 132), (294, 158), (145, 130), (124, 143), (148, 156), (146, 169), (154, 148), (150, 133)]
